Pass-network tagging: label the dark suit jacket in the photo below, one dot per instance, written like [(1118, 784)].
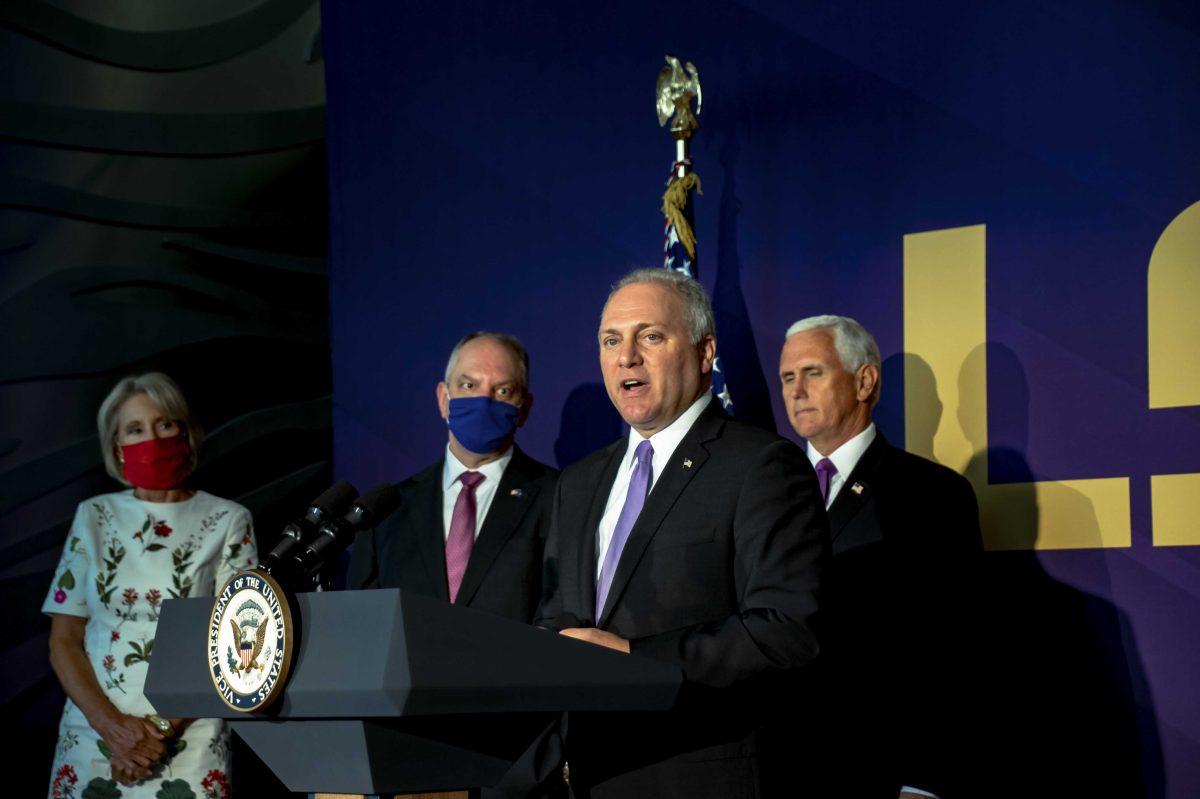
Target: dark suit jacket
[(504, 573), (719, 575), (905, 534)]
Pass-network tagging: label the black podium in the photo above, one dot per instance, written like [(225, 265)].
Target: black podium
[(394, 692)]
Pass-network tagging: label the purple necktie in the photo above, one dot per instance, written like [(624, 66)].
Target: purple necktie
[(462, 532), (825, 472), (639, 487)]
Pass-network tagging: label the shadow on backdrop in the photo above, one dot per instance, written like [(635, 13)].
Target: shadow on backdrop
[(898, 374), (589, 421), (1063, 707), (735, 337)]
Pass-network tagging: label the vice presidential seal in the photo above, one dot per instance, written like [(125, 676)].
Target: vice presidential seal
[(250, 641)]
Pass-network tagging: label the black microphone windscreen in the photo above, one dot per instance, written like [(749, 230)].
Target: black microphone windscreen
[(337, 498), (380, 501)]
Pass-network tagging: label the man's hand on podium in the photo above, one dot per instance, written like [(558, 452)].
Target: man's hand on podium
[(594, 636)]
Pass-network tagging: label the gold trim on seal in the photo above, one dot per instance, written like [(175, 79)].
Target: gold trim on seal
[(285, 665)]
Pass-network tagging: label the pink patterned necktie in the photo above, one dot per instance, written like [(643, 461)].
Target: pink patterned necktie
[(825, 472), (462, 532)]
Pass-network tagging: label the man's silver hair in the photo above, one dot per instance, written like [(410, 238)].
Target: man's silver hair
[(697, 307), (511, 343), (854, 345)]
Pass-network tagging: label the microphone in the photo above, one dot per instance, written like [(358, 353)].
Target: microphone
[(332, 503), (336, 534)]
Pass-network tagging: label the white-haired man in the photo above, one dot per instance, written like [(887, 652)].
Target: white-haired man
[(903, 529)]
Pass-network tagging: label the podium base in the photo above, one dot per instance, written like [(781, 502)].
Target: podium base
[(440, 795), (385, 757)]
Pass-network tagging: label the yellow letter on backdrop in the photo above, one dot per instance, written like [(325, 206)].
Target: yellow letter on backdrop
[(1173, 316), (945, 324)]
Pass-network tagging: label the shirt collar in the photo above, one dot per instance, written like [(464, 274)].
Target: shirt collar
[(665, 441), (452, 467), (847, 456)]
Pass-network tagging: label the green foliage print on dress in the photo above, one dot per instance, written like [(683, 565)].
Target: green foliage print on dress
[(100, 788), (154, 600), (219, 745), (209, 523), (104, 516), (181, 556), (175, 789), (140, 653), (66, 580), (68, 742), (106, 577), (181, 561), (129, 598), (113, 678), (235, 548), (152, 532)]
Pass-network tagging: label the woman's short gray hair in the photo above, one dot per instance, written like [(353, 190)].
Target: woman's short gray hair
[(164, 393), (696, 306), (854, 345)]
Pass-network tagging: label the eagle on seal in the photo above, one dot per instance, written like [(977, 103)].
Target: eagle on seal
[(248, 650)]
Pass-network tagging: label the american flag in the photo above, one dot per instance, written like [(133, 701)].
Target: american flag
[(677, 257)]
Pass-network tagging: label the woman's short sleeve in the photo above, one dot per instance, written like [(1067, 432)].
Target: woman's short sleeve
[(241, 550), (68, 589)]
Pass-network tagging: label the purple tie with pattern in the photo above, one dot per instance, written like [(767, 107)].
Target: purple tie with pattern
[(639, 487), (462, 532), (825, 472)]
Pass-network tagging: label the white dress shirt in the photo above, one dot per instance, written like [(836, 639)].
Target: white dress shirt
[(665, 442), (485, 491), (844, 458)]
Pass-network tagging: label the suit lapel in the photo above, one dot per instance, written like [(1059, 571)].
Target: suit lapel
[(604, 478), (858, 488), (514, 496), (430, 531), (664, 493)]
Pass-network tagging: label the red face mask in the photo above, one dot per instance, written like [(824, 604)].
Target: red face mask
[(157, 463)]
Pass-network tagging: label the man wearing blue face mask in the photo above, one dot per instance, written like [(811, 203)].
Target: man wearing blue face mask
[(471, 527)]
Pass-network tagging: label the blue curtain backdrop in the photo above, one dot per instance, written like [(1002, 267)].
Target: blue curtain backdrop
[(499, 165)]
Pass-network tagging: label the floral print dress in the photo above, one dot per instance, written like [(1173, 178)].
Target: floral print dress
[(122, 559)]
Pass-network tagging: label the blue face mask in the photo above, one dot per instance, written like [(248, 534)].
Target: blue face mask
[(482, 424)]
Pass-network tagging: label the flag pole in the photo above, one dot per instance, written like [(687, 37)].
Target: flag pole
[(678, 85)]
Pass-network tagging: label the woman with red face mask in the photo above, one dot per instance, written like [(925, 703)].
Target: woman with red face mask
[(125, 554)]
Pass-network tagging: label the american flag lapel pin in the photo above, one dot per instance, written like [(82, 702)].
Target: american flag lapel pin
[(857, 488)]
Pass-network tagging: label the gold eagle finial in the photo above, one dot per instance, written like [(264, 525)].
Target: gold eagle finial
[(677, 85)]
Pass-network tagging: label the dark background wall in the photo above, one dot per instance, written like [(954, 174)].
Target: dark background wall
[(499, 165), (162, 207)]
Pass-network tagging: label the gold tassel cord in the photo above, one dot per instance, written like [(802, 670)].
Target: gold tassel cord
[(674, 202)]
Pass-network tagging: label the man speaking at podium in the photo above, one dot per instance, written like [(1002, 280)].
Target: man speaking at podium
[(471, 527), (695, 540)]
